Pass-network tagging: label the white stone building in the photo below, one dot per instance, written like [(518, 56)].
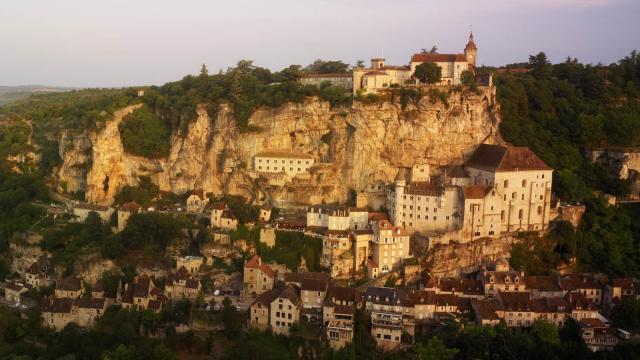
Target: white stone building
[(289, 163)]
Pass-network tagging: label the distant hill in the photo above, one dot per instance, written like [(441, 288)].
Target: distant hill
[(9, 94)]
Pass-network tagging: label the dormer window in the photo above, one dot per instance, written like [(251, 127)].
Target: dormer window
[(516, 280), (492, 280), (506, 280)]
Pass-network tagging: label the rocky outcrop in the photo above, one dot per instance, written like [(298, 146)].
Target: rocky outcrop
[(354, 146), (453, 260)]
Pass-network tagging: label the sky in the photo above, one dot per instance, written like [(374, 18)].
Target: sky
[(113, 43)]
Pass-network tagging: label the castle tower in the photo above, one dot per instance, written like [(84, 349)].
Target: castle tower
[(471, 51)]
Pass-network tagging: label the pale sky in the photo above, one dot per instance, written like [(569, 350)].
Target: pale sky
[(90, 43)]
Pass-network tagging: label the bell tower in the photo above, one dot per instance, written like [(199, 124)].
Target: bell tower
[(471, 51)]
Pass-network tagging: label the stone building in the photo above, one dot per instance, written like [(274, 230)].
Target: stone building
[(259, 311), (517, 191), (385, 306), (344, 80), (39, 273), (124, 213), (285, 309), (222, 218), (71, 288), (287, 162), (258, 277), (379, 76), (502, 279), (81, 211), (142, 294), (338, 312), (182, 285), (390, 245), (197, 201), (191, 263), (13, 291)]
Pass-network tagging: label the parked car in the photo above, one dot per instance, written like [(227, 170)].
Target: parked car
[(216, 293)]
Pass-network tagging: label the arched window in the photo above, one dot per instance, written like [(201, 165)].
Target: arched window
[(539, 210), (520, 214), (524, 183), (506, 184), (514, 195)]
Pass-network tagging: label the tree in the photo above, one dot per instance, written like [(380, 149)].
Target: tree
[(204, 72), (428, 73), (626, 314), (327, 67), (540, 67), (434, 50), (433, 349), (360, 63), (469, 79)]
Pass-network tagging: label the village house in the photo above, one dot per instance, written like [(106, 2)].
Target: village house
[(88, 310), (258, 277), (385, 306), (70, 287), (197, 201), (287, 162), (57, 312), (259, 311), (582, 283), (463, 288), (543, 286), (338, 312), (265, 213), (222, 218), (597, 335), (13, 291), (620, 288), (191, 263), (182, 285), (379, 76), (142, 294), (124, 213), (285, 309), (502, 279), (81, 211), (39, 274), (390, 245)]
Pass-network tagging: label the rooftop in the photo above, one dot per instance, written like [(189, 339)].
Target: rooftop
[(423, 58), (284, 154), (501, 158)]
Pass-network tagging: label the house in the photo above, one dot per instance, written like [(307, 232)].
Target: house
[(620, 288), (502, 279), (142, 294), (265, 214), (88, 310), (390, 245), (286, 162), (228, 221), (597, 335), (285, 309), (464, 288), (191, 263), (583, 283), (81, 211), (70, 287), (338, 313), (259, 311), (57, 312), (197, 201), (543, 286), (124, 213), (182, 285), (258, 277), (13, 291), (216, 214), (39, 274), (385, 306), (487, 311)]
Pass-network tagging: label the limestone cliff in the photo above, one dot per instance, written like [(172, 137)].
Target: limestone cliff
[(354, 146)]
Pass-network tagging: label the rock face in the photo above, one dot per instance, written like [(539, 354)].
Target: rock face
[(454, 260), (621, 163), (353, 146)]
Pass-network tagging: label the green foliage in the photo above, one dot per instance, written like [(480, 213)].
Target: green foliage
[(627, 314), (428, 73), (13, 140), (433, 349), (560, 110), (145, 134), (151, 229), (289, 249), (327, 67), (242, 209), (246, 87), (17, 191), (143, 194)]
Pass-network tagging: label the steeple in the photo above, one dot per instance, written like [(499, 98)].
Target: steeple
[(471, 45), (471, 51)]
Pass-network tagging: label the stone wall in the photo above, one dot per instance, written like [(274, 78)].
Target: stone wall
[(452, 260)]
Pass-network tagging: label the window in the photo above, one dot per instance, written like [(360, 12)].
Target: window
[(502, 215), (514, 195), (520, 214), (524, 183), (539, 210), (506, 184), (522, 196)]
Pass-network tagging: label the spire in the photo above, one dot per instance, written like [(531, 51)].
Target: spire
[(471, 45)]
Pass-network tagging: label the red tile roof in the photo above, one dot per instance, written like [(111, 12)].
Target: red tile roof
[(131, 206), (475, 191), (423, 58), (500, 158), (256, 263)]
